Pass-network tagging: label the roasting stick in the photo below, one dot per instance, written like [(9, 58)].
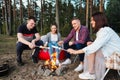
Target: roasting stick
[(59, 48), (43, 47)]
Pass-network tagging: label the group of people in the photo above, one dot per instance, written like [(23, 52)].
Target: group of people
[(92, 54)]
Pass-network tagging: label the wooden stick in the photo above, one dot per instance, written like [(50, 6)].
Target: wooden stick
[(43, 47), (59, 48)]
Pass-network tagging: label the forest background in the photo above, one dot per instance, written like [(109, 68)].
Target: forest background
[(15, 12)]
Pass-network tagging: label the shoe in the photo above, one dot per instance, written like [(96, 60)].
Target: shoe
[(35, 59), (79, 68), (57, 62), (67, 61), (20, 63), (86, 75)]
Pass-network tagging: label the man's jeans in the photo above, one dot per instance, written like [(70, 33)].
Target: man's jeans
[(76, 47), (20, 47)]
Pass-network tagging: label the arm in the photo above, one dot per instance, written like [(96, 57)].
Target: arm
[(71, 51), (37, 37), (21, 39), (70, 36)]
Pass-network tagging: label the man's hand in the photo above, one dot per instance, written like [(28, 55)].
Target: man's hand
[(70, 43), (33, 41), (31, 45), (60, 43)]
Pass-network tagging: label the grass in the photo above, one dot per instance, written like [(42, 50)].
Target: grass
[(7, 44)]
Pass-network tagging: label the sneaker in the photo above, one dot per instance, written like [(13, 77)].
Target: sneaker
[(67, 61), (57, 62), (20, 63), (35, 59), (79, 68), (86, 75)]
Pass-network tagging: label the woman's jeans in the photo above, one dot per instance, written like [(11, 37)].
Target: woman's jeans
[(52, 50)]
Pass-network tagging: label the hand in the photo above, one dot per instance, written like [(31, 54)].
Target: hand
[(33, 41), (70, 43), (89, 42), (46, 43), (71, 51), (60, 43), (31, 45)]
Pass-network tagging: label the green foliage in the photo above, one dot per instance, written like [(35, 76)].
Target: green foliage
[(65, 30), (46, 14), (113, 13)]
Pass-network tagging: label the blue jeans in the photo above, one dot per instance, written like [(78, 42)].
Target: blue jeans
[(52, 50), (20, 47), (76, 47)]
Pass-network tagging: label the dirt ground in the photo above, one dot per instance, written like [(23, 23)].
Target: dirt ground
[(30, 70)]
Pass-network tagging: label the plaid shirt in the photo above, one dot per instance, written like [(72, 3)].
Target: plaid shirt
[(83, 36)]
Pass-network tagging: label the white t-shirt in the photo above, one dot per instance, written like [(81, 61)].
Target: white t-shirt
[(54, 37), (76, 36)]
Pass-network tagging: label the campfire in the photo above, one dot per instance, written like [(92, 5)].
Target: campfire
[(50, 67), (51, 63)]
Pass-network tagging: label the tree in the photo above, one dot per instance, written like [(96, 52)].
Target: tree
[(57, 14), (21, 12), (113, 13), (101, 5)]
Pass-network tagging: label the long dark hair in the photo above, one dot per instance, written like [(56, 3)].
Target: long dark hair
[(100, 20)]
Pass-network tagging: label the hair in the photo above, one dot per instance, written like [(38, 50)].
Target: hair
[(55, 25), (100, 20), (75, 18), (32, 17)]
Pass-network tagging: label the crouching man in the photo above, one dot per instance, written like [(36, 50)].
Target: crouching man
[(28, 38)]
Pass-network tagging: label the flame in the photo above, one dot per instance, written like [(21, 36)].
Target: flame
[(52, 62)]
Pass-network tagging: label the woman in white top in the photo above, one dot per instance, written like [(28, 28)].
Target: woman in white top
[(52, 39), (106, 43)]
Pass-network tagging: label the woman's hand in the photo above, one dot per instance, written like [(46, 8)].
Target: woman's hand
[(71, 51), (89, 42)]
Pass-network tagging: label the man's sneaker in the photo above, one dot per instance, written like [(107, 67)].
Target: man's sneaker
[(79, 68), (67, 61), (35, 59), (86, 75), (20, 63)]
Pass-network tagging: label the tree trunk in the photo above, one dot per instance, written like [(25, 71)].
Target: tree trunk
[(57, 14), (87, 12), (14, 15), (91, 5), (9, 17), (41, 17), (101, 7), (6, 17), (21, 12)]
